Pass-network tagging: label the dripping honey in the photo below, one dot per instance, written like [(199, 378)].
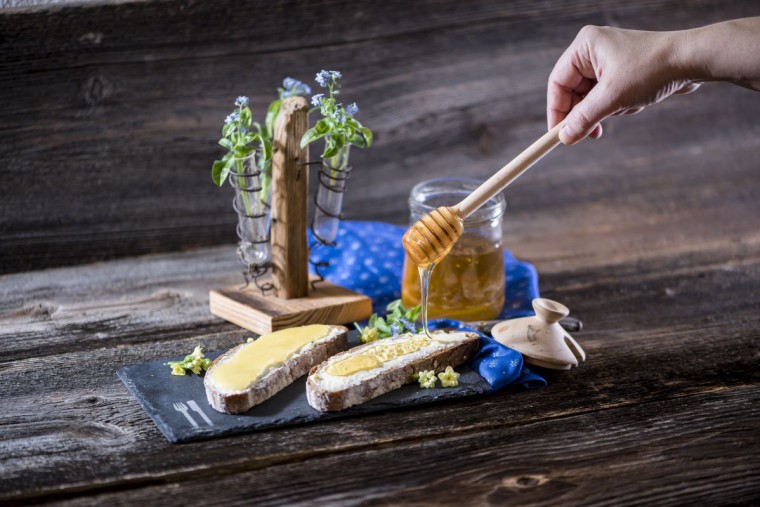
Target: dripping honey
[(467, 284)]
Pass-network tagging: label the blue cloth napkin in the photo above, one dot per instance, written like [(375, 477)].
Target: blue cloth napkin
[(498, 364), (369, 258)]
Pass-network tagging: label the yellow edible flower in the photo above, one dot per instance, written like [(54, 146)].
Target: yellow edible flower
[(194, 362), (369, 335), (177, 369), (426, 378), (195, 367), (449, 378)]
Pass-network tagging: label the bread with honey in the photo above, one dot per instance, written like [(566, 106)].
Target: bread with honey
[(373, 369), (254, 372)]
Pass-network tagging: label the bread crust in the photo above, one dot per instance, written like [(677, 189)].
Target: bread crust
[(332, 401), (274, 380)]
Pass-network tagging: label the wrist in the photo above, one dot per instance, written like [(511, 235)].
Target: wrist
[(688, 56)]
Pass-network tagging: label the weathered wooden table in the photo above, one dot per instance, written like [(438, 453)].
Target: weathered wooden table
[(651, 236)]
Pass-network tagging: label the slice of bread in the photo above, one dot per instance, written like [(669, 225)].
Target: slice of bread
[(248, 392), (329, 392)]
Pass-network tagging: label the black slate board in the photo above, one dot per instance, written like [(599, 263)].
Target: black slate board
[(157, 391)]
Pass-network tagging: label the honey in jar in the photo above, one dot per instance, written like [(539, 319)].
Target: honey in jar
[(468, 284)]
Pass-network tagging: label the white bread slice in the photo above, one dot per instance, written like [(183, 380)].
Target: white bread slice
[(328, 393), (276, 377)]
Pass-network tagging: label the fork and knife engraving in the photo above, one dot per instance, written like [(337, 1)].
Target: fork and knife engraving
[(181, 407)]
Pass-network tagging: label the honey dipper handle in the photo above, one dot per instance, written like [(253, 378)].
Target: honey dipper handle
[(509, 172)]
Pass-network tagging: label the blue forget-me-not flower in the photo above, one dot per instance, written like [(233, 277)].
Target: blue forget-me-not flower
[(233, 117), (322, 77), (352, 109), (339, 116), (325, 76), (409, 325), (241, 101), (316, 100), (294, 87)]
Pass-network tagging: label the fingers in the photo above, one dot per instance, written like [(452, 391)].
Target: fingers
[(570, 80), (586, 116)]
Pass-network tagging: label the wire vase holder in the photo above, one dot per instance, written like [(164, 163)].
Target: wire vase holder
[(254, 220), (328, 203)]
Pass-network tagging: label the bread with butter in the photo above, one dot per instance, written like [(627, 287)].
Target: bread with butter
[(373, 369), (254, 372)]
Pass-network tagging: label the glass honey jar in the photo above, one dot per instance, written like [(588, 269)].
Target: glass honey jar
[(468, 284)]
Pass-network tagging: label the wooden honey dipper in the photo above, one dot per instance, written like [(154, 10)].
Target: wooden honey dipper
[(430, 239)]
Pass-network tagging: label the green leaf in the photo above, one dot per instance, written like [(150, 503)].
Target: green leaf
[(340, 141), (311, 135), (266, 148), (358, 141), (226, 143), (358, 327), (225, 171), (372, 320), (413, 313), (216, 172), (382, 326), (322, 126), (272, 111), (330, 148), (393, 305), (367, 134), (245, 117)]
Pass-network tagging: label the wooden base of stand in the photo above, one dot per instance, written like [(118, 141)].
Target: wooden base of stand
[(252, 310)]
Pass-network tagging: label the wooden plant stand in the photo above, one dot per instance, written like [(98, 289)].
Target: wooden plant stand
[(292, 302)]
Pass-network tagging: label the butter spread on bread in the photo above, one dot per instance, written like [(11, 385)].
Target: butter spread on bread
[(253, 372), (373, 369)]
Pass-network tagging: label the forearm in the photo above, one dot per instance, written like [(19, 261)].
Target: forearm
[(727, 51)]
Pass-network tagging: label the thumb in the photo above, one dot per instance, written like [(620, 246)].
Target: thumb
[(586, 115)]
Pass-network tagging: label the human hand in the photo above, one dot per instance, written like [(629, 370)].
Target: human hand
[(610, 71)]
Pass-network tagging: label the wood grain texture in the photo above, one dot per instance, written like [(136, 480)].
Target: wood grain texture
[(326, 303), (629, 456), (110, 117), (290, 189)]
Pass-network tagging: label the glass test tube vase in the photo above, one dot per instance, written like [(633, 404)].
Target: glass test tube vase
[(254, 216), (333, 179)]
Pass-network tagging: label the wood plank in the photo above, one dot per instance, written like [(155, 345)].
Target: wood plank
[(112, 156), (103, 305), (557, 460), (643, 352), (326, 303), (290, 194)]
